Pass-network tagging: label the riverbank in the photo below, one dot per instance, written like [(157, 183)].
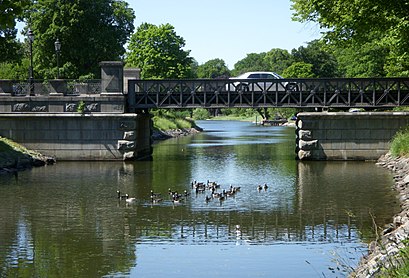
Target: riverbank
[(174, 133), (14, 157), (385, 254)]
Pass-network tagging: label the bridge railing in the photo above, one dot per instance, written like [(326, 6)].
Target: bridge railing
[(253, 93), (66, 87)]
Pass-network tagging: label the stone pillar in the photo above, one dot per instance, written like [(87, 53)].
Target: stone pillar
[(112, 73), (130, 73)]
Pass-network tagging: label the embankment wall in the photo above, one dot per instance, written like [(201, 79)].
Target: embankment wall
[(345, 135), (75, 136)]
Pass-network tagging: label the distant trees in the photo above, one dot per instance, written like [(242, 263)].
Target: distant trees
[(158, 52), (215, 68)]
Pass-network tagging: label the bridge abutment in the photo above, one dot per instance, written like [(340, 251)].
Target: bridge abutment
[(77, 136), (346, 136)]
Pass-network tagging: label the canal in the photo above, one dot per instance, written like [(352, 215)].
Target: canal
[(314, 219)]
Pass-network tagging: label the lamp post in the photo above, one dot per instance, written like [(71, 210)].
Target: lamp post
[(30, 36), (57, 46)]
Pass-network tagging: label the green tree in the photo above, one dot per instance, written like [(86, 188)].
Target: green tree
[(215, 68), (324, 63), (252, 62), (278, 60), (355, 22), (158, 52), (10, 12), (299, 70), (362, 60), (89, 32)]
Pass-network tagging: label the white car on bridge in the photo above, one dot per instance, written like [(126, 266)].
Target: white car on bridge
[(242, 85)]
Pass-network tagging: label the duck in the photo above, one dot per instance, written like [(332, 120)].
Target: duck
[(259, 187), (265, 186), (121, 197)]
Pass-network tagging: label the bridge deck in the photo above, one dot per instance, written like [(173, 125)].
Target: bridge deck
[(296, 93)]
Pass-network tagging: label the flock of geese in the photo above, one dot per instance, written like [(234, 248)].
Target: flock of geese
[(211, 189)]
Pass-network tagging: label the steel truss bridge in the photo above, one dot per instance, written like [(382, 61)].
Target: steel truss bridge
[(263, 93)]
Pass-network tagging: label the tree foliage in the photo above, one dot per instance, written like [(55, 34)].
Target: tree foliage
[(324, 64), (299, 70), (278, 60), (356, 22), (10, 12), (89, 32), (252, 62), (215, 68), (158, 52)]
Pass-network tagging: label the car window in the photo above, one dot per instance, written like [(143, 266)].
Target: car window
[(254, 75), (268, 76)]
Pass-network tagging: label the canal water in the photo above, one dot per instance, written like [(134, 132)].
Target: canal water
[(313, 219)]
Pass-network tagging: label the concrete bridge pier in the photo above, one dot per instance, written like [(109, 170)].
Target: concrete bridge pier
[(346, 136)]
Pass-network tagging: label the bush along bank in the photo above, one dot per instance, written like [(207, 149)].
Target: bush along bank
[(14, 157), (388, 256), (170, 126)]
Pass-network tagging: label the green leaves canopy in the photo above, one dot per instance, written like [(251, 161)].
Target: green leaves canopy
[(158, 52), (215, 68), (10, 11), (89, 32), (354, 22)]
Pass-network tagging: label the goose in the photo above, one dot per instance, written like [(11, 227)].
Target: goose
[(236, 189), (155, 194), (130, 200), (176, 199), (208, 199), (155, 199), (121, 197)]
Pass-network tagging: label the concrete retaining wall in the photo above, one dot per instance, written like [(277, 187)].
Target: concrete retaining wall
[(73, 136), (347, 136)]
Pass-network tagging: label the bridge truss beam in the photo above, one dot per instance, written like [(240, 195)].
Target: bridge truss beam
[(259, 93)]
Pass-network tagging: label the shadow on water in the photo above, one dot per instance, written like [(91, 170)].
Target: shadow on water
[(65, 220)]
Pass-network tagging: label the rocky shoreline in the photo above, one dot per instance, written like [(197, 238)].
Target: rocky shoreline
[(12, 164), (174, 133), (384, 253)]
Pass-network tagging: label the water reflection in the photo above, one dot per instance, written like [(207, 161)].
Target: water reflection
[(65, 220)]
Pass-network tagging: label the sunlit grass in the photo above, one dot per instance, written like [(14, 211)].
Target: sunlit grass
[(169, 123), (400, 143)]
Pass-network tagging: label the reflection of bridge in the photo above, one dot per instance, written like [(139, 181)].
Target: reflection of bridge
[(251, 227), (219, 93)]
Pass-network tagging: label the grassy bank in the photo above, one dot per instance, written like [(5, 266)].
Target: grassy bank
[(400, 143), (14, 156)]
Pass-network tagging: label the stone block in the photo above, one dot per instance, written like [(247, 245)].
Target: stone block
[(305, 134), (302, 155), (308, 145), (124, 145), (129, 135)]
